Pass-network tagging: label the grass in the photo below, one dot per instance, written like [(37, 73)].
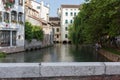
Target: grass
[(2, 55), (112, 50)]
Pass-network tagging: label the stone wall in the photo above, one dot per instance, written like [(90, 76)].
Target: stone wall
[(60, 71), (110, 56), (35, 44), (12, 49)]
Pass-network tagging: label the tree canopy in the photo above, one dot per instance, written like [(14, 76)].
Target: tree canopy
[(97, 20), (33, 32)]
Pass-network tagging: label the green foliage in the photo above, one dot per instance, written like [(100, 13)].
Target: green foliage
[(38, 33), (2, 55), (28, 31), (33, 32), (97, 19)]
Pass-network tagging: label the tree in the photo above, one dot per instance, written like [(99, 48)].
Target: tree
[(96, 20), (28, 31), (33, 32), (38, 33)]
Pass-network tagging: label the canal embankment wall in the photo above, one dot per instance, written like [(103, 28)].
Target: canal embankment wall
[(29, 45), (110, 56), (35, 44), (60, 71), (13, 49)]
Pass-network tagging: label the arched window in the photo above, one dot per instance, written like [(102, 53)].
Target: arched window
[(20, 17), (6, 17), (14, 16)]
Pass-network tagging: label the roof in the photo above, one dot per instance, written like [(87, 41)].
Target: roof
[(54, 19), (70, 6)]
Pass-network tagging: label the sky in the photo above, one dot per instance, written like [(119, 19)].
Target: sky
[(55, 4)]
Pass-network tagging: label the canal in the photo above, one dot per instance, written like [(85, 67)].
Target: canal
[(57, 53)]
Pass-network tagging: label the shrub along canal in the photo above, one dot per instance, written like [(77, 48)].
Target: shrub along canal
[(57, 53)]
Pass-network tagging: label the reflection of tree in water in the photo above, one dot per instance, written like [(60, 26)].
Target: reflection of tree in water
[(83, 54)]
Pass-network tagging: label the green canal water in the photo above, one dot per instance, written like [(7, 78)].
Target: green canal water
[(57, 53)]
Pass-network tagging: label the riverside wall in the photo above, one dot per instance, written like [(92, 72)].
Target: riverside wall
[(60, 71), (35, 44), (13, 49), (110, 56)]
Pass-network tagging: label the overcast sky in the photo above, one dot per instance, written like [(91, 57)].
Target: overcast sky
[(54, 4)]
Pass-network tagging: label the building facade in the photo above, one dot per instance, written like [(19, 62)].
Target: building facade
[(11, 25), (55, 21), (67, 14), (38, 14)]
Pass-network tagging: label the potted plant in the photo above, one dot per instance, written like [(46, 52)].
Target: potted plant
[(8, 4), (14, 21), (7, 21), (21, 22)]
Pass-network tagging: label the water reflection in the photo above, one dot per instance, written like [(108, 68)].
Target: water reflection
[(58, 53)]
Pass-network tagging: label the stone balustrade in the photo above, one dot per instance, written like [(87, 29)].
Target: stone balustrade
[(46, 70)]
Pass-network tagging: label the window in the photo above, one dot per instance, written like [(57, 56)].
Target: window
[(57, 30), (66, 36), (6, 17), (57, 36), (38, 7), (53, 30), (14, 38), (14, 16), (0, 16), (66, 21), (66, 13), (75, 14), (71, 21), (20, 19), (66, 28), (4, 38), (71, 14), (20, 2)]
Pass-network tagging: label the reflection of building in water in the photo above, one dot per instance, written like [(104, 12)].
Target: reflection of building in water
[(11, 25), (65, 54)]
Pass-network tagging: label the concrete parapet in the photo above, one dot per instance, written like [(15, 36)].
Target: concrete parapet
[(112, 68), (46, 70), (71, 69), (19, 70)]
